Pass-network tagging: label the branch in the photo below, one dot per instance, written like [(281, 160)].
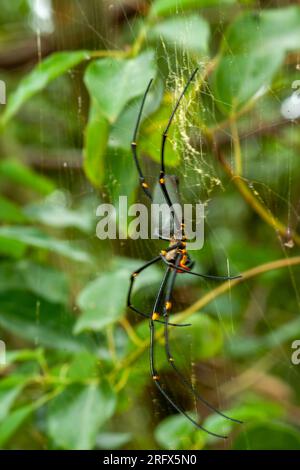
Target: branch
[(256, 205)]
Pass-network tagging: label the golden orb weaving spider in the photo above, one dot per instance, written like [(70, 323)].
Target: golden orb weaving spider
[(177, 261)]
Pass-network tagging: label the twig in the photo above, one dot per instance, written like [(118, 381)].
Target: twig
[(256, 205)]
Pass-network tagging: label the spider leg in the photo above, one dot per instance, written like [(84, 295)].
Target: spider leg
[(132, 279), (181, 377), (205, 276), (153, 370), (143, 183), (164, 138)]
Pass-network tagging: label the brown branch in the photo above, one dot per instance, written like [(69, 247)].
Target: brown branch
[(250, 198)]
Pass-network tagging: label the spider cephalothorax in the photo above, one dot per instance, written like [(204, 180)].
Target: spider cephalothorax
[(175, 257)]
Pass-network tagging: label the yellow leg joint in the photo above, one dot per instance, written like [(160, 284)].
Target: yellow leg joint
[(145, 185), (161, 180), (155, 316), (168, 305)]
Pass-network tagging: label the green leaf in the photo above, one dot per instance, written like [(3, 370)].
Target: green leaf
[(269, 31), (42, 280), (245, 346), (255, 410), (54, 212), (103, 301), (112, 440), (272, 436), (176, 432), (10, 212), (253, 50), (239, 78), (151, 135), (36, 238), (120, 181), (40, 322), (169, 7), (122, 130), (10, 388), (96, 139), (75, 416), (50, 68), (189, 33), (13, 421), (20, 174), (12, 248), (204, 338), (114, 82), (83, 366)]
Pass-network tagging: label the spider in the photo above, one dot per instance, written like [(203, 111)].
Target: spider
[(177, 261)]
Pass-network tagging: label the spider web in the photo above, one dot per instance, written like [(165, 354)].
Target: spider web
[(202, 180)]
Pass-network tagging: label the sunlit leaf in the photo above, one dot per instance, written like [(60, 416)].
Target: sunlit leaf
[(176, 432), (190, 33), (114, 82), (151, 136), (96, 139), (122, 130)]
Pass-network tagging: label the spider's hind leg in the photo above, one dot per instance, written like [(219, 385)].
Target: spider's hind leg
[(153, 370), (184, 381)]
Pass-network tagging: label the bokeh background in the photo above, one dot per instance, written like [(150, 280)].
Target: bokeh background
[(77, 373)]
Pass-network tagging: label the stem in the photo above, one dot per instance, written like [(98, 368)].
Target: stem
[(111, 343), (247, 194), (109, 53), (130, 332), (236, 147)]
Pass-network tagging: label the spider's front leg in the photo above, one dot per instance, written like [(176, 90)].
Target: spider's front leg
[(182, 269)]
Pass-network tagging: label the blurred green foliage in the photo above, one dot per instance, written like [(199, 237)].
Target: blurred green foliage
[(77, 373)]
